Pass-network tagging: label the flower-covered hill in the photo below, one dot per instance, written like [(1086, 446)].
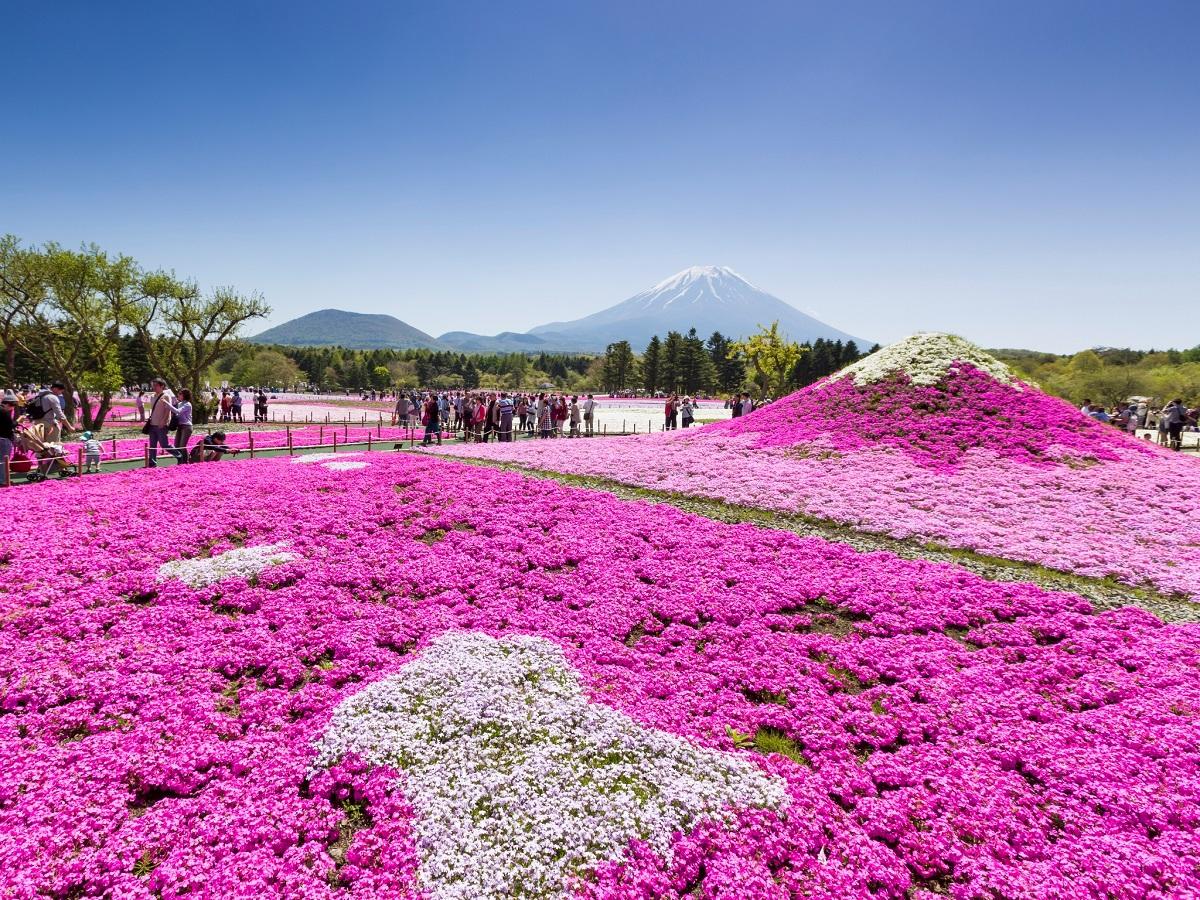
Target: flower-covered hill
[(386, 676), (933, 440), (934, 398)]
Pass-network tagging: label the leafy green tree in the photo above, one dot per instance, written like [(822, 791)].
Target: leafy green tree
[(184, 332), (771, 358), (266, 368), (67, 318), (381, 378)]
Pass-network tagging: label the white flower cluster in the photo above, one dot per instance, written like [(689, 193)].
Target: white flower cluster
[(240, 562), (925, 358), (310, 458), (517, 780), (348, 465)]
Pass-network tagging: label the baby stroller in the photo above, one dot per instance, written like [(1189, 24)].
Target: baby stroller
[(50, 458)]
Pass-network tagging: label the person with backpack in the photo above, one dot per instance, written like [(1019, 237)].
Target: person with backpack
[(162, 421), (46, 409), (430, 419)]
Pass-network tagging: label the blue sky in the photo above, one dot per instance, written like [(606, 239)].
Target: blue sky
[(1025, 174)]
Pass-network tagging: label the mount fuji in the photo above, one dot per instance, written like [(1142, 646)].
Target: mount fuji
[(707, 298)]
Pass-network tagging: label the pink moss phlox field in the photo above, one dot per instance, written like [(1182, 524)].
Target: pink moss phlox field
[(938, 733), (969, 462)]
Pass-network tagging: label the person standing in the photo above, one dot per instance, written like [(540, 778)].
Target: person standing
[(53, 419), (506, 418), (236, 408), (432, 423), (183, 433), (687, 412), (158, 426), (589, 415), (522, 411), (560, 415), (545, 417), (8, 427), (140, 403), (226, 406), (576, 417), (1176, 414)]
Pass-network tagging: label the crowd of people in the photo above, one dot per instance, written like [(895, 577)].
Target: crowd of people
[(1169, 422), (223, 406), (480, 416), (484, 415), (166, 417)]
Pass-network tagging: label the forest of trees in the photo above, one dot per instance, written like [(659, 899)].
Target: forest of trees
[(1111, 376), (766, 362)]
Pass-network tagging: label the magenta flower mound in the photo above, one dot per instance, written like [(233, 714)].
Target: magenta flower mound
[(942, 452), (932, 733)]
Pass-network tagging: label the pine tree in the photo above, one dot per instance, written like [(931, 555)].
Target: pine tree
[(671, 364), (651, 365)]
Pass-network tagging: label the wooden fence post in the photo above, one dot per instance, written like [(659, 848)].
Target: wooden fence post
[(335, 442), (289, 439), (7, 473), (251, 435), (146, 450)]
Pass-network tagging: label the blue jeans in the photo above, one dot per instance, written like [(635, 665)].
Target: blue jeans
[(159, 438)]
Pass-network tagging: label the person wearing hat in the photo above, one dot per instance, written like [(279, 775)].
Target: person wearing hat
[(8, 426), (91, 452)]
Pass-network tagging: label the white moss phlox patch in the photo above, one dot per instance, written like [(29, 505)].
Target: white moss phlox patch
[(310, 458), (348, 465), (925, 358), (518, 780), (240, 562)]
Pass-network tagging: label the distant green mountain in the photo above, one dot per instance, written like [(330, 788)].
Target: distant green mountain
[(356, 331)]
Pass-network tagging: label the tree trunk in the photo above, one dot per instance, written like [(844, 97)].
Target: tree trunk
[(68, 400), (95, 422), (199, 412)]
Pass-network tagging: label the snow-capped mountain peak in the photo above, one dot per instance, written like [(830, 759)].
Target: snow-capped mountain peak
[(695, 274), (697, 286)]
